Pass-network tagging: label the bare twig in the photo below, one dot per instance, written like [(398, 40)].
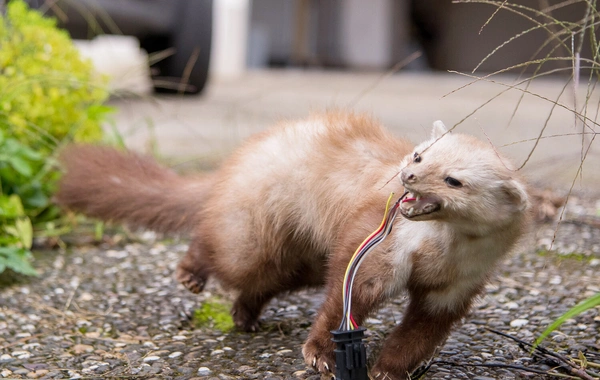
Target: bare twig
[(543, 353), (510, 366)]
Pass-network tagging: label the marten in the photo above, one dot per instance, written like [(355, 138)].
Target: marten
[(289, 207)]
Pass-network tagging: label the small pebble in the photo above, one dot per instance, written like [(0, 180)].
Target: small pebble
[(37, 374), (21, 354), (151, 358), (175, 354), (203, 371), (519, 322), (79, 349)]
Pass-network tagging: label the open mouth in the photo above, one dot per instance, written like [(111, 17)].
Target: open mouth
[(416, 204)]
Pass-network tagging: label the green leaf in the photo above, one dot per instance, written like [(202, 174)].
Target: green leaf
[(12, 231), (589, 303), (11, 206), (36, 199), (24, 231), (16, 259), (20, 165), (29, 153), (98, 231)]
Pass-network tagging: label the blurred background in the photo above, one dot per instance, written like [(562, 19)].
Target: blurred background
[(350, 35), (257, 61)]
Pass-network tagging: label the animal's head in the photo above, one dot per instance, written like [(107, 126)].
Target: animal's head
[(461, 180)]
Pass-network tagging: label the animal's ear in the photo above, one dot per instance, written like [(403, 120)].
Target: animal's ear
[(438, 129), (516, 194)]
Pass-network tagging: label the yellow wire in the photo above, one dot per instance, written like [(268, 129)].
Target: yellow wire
[(387, 209)]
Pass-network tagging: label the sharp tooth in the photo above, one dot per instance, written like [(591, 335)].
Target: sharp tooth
[(418, 197), (411, 211)]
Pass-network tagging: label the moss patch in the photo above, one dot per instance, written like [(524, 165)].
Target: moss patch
[(214, 314), (577, 256)]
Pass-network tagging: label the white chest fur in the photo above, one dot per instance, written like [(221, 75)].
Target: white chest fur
[(462, 262)]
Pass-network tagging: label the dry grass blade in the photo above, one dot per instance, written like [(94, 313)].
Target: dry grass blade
[(160, 55), (554, 7), (537, 140), (510, 87), (391, 72), (517, 66), (571, 189), (187, 71), (515, 87), (514, 8), (518, 35), (548, 137), (536, 71), (492, 16), (519, 9)]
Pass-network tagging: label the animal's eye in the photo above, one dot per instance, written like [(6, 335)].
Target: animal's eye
[(417, 157), (453, 182)]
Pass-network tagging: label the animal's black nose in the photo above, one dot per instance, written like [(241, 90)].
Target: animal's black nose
[(408, 177)]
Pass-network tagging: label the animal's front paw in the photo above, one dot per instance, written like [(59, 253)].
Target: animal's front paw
[(319, 355), (194, 282)]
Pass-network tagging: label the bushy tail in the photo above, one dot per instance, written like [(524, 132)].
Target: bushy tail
[(125, 187)]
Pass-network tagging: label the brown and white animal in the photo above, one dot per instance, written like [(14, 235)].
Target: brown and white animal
[(289, 207)]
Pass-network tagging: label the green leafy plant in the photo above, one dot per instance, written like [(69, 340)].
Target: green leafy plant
[(584, 305), (48, 96), (17, 163)]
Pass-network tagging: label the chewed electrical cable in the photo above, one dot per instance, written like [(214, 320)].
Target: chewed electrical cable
[(372, 241)]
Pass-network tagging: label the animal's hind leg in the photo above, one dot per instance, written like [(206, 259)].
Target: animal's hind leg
[(247, 308), (250, 302), (193, 270)]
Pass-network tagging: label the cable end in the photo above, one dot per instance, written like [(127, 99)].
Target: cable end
[(350, 354)]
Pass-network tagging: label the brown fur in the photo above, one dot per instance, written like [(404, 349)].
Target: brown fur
[(289, 208), (126, 187)]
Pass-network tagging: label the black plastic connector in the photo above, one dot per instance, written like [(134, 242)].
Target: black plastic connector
[(350, 354)]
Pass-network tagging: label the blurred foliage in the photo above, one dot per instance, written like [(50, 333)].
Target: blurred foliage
[(48, 96)]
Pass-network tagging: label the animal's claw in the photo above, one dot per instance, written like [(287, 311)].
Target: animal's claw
[(317, 357)]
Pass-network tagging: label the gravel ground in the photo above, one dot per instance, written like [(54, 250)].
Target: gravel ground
[(116, 312)]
